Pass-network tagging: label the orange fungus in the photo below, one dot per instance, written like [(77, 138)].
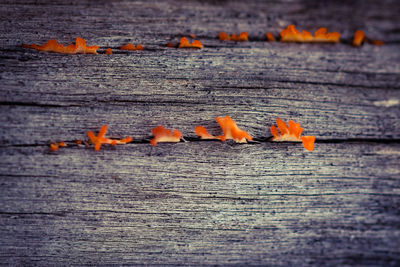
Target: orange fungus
[(242, 37), (184, 43), (100, 139), (291, 133), (131, 47), (291, 34), (53, 46), (358, 38), (165, 135), (108, 51)]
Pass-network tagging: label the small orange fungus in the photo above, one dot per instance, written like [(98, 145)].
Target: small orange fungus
[(62, 144), (203, 133), (291, 34), (184, 43), (108, 51), (100, 139), (55, 146), (377, 42), (232, 131), (358, 38), (291, 134), (53, 46), (165, 135), (131, 47), (242, 37), (270, 37)]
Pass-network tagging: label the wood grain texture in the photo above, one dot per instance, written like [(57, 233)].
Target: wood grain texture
[(199, 203), (208, 204)]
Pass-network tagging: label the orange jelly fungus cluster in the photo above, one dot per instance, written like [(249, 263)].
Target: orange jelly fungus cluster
[(131, 47), (230, 129), (53, 46), (55, 146), (358, 38), (291, 34), (165, 135), (242, 37), (100, 139), (291, 134), (184, 43)]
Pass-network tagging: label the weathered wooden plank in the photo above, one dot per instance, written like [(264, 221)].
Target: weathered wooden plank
[(331, 89), (211, 204), (199, 202), (147, 20), (187, 87)]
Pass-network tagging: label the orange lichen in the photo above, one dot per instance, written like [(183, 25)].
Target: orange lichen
[(232, 131), (270, 37), (203, 133), (131, 47), (170, 44), (291, 134), (78, 142), (291, 34), (242, 37), (165, 135), (377, 42), (358, 38), (100, 139), (184, 43), (108, 51), (53, 46)]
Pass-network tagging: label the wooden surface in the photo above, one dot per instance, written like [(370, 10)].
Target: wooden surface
[(199, 202)]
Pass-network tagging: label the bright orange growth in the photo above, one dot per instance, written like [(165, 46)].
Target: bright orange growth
[(131, 47), (203, 133), (270, 37), (358, 38), (53, 46), (291, 34), (165, 135), (242, 37), (62, 144), (100, 139), (108, 51), (377, 42), (291, 134), (230, 129), (184, 43), (54, 146)]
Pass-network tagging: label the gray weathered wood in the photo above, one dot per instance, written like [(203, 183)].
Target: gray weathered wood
[(199, 202), (204, 203)]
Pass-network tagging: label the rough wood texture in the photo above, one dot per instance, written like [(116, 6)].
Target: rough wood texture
[(199, 202)]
